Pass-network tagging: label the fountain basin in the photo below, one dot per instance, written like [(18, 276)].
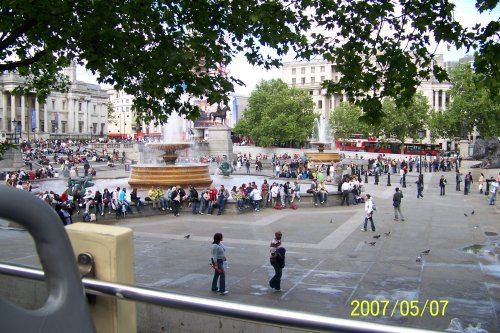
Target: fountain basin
[(145, 176), (323, 157)]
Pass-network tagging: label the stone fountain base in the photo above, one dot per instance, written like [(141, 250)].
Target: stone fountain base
[(323, 157), (145, 176)]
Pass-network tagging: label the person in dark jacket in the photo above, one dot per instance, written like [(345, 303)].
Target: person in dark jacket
[(277, 260)]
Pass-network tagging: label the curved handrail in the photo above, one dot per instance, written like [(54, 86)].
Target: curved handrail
[(65, 309)]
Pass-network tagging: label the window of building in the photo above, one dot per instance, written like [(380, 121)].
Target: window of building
[(63, 126), (320, 104), (80, 127), (334, 68), (303, 70), (42, 126), (294, 71), (128, 109), (80, 106), (95, 108), (53, 104), (313, 79), (336, 78), (322, 78), (311, 92), (313, 69), (64, 105), (54, 126), (322, 69), (294, 81), (94, 128), (440, 99), (303, 80)]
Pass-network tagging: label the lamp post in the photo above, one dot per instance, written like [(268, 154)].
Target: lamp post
[(457, 140), (421, 135), (14, 125)]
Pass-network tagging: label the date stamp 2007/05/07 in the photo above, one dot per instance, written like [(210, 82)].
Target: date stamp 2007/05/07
[(404, 308)]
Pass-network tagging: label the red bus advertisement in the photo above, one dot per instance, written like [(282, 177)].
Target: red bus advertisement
[(359, 142), (409, 148)]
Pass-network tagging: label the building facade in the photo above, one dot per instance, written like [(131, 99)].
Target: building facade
[(310, 76), (78, 113)]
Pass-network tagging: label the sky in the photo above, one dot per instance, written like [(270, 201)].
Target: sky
[(465, 13)]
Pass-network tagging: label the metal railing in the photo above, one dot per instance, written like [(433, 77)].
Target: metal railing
[(285, 318)]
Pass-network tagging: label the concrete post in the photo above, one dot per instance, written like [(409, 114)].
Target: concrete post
[(113, 252)]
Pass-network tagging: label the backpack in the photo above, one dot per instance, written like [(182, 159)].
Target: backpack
[(278, 206), (294, 206), (280, 257)]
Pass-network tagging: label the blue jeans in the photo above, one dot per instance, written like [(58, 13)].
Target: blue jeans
[(257, 204), (203, 206), (163, 202), (219, 276), (221, 202), (210, 206), (194, 205), (240, 203), (275, 281), (371, 221)]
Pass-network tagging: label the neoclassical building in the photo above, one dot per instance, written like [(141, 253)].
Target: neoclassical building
[(310, 75), (78, 113)]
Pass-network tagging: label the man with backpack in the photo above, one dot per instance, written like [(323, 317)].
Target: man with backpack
[(277, 260)]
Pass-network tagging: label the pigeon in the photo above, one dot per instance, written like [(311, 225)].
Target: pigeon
[(187, 236), (476, 226), (465, 214), (426, 252), (419, 259), (331, 220), (387, 233), (372, 243), (376, 236), (472, 213)]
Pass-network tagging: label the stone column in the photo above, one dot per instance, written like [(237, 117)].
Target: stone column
[(13, 108), (4, 110), (46, 127), (23, 112), (71, 116)]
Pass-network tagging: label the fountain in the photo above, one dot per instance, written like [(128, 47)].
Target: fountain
[(322, 139), (169, 173)]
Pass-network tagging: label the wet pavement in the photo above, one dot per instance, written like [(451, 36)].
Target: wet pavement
[(331, 269)]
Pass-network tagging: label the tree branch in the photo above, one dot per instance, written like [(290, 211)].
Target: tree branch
[(16, 33), (21, 63)]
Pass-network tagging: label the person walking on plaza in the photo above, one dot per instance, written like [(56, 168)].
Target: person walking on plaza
[(420, 186), (493, 191), (458, 179), (369, 212), (346, 187), (481, 183), (277, 260), (442, 185), (218, 258), (396, 202)]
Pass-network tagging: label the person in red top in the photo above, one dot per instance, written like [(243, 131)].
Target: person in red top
[(212, 193)]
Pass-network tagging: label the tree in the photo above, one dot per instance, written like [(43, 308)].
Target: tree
[(345, 121), (401, 123), (277, 114), (472, 107), (160, 51)]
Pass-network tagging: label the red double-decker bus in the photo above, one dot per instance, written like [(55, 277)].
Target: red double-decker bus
[(359, 142), (380, 147), (355, 143)]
